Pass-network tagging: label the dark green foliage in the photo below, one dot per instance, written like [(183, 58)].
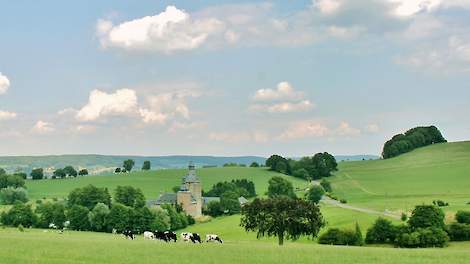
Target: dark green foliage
[(70, 171), (51, 213), (315, 193), (146, 165), (423, 238), (242, 187), (282, 217), (2, 171), (336, 236), (37, 174), (254, 164), (22, 175), (78, 217), (358, 233), (176, 188), (382, 231), (301, 173), (98, 217), (129, 196), (463, 217), (440, 203), (14, 181), (142, 219), (404, 217), (59, 173), (162, 220), (412, 139), (424, 216), (229, 203), (119, 217), (343, 201), (89, 196), (19, 214), (178, 220), (214, 209), (279, 186), (459, 232), (128, 164), (326, 185), (83, 172), (11, 195), (279, 164), (308, 168)]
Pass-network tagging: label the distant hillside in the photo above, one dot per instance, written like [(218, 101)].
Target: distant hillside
[(356, 157), (97, 164)]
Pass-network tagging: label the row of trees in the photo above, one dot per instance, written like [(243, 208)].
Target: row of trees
[(129, 164), (12, 188), (91, 208), (68, 171), (412, 139), (308, 168)]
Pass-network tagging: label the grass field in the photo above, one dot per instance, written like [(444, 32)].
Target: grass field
[(39, 247), (440, 171), (154, 182)]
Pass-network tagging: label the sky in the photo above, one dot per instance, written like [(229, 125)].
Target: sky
[(230, 78)]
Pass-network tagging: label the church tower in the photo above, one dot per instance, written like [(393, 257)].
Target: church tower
[(190, 194)]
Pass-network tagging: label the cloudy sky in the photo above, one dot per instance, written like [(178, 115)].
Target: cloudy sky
[(230, 77)]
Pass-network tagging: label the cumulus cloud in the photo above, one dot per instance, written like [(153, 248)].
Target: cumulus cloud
[(169, 31), (123, 101), (43, 127), (345, 129), (305, 129), (4, 83), (326, 6), (5, 115), (283, 99)]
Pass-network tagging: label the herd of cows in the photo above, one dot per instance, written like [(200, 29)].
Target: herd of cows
[(169, 236)]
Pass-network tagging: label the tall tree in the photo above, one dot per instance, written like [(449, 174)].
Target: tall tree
[(129, 196), (146, 165), (37, 174), (282, 217), (128, 164), (279, 186)]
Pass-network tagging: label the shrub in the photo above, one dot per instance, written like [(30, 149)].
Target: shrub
[(162, 220), (343, 201), (51, 213), (326, 185), (315, 193), (423, 237), (12, 195), (459, 232), (404, 217), (440, 203), (21, 228), (463, 217), (382, 231), (98, 217), (19, 214), (214, 209), (336, 236), (78, 217), (424, 216)]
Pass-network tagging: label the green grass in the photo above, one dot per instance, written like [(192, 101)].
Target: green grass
[(154, 182), (39, 247), (440, 171)]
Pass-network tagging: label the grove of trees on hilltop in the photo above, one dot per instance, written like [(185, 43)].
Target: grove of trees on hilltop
[(412, 139)]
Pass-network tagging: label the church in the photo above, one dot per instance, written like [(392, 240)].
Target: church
[(189, 195)]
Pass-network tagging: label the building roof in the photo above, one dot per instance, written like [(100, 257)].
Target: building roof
[(166, 198), (191, 176), (242, 200)]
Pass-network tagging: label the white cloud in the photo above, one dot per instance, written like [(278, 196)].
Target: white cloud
[(4, 83), (171, 30), (284, 91), (43, 127), (372, 128), (5, 115), (411, 7), (305, 129), (326, 6), (284, 107), (345, 129), (283, 99), (123, 101)]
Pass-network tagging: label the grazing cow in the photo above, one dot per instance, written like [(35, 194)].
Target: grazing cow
[(170, 235), (193, 237), (213, 238), (128, 234), (149, 235), (160, 235), (53, 226)]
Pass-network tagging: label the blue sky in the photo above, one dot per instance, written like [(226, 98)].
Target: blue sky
[(230, 77)]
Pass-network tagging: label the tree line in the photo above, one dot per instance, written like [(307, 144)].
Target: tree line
[(414, 138), (229, 192), (309, 168)]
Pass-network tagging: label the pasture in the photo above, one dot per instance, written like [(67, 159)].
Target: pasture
[(441, 171)]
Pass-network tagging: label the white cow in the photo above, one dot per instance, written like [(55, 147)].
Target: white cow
[(149, 235), (213, 238), (186, 236)]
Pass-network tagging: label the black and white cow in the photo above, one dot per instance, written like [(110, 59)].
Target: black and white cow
[(193, 237), (128, 234), (213, 238), (160, 235), (149, 235), (170, 235)]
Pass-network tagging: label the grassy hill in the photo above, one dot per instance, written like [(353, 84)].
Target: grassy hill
[(440, 171)]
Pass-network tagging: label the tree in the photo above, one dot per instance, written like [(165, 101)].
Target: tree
[(279, 164), (119, 217), (98, 217), (2, 171), (214, 209), (254, 164), (162, 220), (19, 214), (21, 174), (282, 217), (37, 174), (146, 165), (326, 185), (142, 219), (315, 193), (301, 173), (14, 181), (51, 213), (78, 217), (59, 173), (89, 196), (11, 195), (70, 171), (382, 231), (83, 172), (463, 217), (128, 164), (129, 196), (229, 203), (279, 186), (424, 216)]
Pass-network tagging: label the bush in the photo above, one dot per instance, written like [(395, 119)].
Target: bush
[(423, 238), (459, 232), (19, 214), (21, 228), (78, 217), (315, 193), (440, 203), (119, 217), (326, 185), (162, 220), (336, 236), (382, 231), (404, 217), (51, 213), (12, 195), (424, 216), (214, 209), (14, 181), (98, 217), (463, 217)]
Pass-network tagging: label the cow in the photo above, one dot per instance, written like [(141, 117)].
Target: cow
[(213, 238), (160, 235), (170, 235), (193, 237), (128, 234), (149, 235)]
